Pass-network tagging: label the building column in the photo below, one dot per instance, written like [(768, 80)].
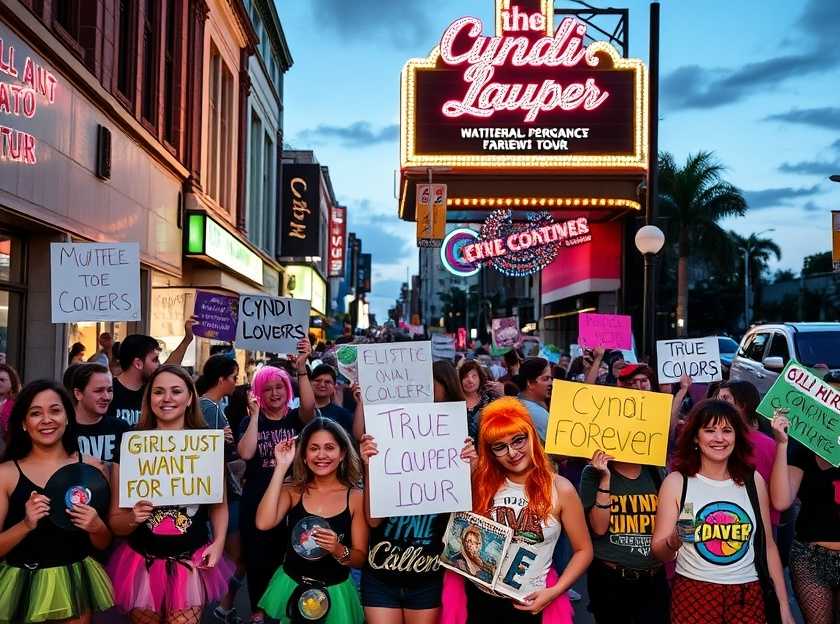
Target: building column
[(198, 14), (241, 165)]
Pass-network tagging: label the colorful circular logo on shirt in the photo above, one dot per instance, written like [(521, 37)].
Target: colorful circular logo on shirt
[(722, 533)]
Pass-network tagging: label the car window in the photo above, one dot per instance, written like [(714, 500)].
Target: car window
[(742, 351), (779, 347), (819, 347), (756, 349), (727, 345)]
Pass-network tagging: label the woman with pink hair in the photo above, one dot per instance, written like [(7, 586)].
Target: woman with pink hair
[(270, 421)]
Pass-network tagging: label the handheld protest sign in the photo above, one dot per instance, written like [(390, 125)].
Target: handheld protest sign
[(396, 372), (172, 467), (418, 470), (95, 282), (217, 316), (630, 425), (610, 331), (273, 324), (813, 410), (699, 358)]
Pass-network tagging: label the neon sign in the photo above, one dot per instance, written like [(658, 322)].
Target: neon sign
[(20, 99), (514, 249), (529, 96)]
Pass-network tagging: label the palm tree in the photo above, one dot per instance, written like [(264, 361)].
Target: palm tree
[(758, 251), (692, 200)]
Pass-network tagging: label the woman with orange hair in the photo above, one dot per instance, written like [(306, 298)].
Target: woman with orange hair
[(514, 484)]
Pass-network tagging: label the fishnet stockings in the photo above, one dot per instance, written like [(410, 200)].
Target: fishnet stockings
[(185, 616), (813, 574)]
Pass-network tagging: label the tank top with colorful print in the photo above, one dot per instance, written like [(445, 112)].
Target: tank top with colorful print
[(724, 523), (172, 532), (528, 558)]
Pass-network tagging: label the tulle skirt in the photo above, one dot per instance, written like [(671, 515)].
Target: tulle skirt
[(345, 607), (165, 585), (454, 602), (55, 593)]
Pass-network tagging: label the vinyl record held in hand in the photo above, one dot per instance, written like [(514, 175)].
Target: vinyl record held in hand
[(76, 483)]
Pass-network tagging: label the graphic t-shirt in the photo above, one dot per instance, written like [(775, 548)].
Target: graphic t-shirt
[(528, 558), (405, 550), (724, 528), (174, 532), (632, 515), (126, 403), (260, 467), (103, 439), (339, 415), (819, 492)]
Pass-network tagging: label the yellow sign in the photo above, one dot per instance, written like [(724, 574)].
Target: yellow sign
[(630, 425), (431, 212)]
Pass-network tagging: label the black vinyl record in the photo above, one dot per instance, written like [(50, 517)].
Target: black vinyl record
[(303, 538), (77, 483)]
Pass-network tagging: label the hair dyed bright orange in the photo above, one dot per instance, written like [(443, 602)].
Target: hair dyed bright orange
[(500, 419)]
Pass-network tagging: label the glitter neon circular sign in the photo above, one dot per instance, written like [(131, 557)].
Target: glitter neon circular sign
[(451, 252)]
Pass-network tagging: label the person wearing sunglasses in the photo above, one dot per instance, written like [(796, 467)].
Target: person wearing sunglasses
[(514, 484)]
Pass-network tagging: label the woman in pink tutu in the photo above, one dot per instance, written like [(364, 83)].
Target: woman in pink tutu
[(171, 566)]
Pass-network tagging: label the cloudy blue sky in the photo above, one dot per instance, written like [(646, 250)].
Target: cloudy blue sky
[(756, 81)]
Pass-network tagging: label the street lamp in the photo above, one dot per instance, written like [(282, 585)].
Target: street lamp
[(649, 241), (747, 250)]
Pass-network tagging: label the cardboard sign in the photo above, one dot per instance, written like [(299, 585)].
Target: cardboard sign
[(273, 324), (172, 467), (396, 372), (418, 470), (813, 410), (630, 425), (347, 355), (95, 282), (610, 331), (217, 316), (505, 331), (699, 358)]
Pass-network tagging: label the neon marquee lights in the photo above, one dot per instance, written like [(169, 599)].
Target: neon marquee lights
[(568, 233), (20, 99), (484, 98)]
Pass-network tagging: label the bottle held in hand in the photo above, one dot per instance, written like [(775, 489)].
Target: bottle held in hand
[(686, 523)]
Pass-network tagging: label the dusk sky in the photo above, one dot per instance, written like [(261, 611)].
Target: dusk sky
[(755, 81)]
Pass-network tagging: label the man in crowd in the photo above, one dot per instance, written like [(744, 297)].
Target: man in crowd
[(98, 432), (139, 358), (323, 379)]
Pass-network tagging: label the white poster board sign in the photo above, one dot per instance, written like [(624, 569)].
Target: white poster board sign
[(699, 358), (396, 372), (273, 324), (418, 469), (172, 467), (95, 282)]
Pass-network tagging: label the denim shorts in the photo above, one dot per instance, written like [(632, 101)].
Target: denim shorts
[(377, 592)]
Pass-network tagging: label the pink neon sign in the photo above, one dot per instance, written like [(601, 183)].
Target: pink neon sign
[(463, 45), (20, 99)]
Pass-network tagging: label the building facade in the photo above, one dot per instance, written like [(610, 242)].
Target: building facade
[(128, 124)]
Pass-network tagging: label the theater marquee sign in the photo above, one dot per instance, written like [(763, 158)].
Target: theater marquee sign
[(532, 96)]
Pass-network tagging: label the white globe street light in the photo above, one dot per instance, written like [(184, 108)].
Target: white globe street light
[(649, 240)]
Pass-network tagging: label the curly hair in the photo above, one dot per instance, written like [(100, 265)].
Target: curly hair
[(711, 412), (503, 418)]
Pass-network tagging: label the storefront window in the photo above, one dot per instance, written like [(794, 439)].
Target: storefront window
[(88, 334), (11, 299)]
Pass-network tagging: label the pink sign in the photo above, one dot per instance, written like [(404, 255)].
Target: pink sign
[(610, 331)]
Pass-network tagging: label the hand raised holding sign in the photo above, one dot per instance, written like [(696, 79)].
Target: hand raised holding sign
[(367, 448), (304, 348), (601, 461), (780, 424), (142, 511)]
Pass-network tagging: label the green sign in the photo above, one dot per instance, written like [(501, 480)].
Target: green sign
[(205, 237), (813, 410)]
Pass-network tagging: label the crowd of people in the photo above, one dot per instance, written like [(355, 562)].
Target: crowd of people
[(694, 542)]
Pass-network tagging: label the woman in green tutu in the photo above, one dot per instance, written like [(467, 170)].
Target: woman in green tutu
[(47, 573), (328, 532)]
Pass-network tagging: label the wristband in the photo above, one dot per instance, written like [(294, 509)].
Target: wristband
[(302, 374), (603, 491), (600, 506)]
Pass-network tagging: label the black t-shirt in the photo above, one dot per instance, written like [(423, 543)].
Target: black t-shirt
[(819, 492), (339, 415), (260, 467), (172, 532), (126, 403), (405, 550), (103, 439)]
